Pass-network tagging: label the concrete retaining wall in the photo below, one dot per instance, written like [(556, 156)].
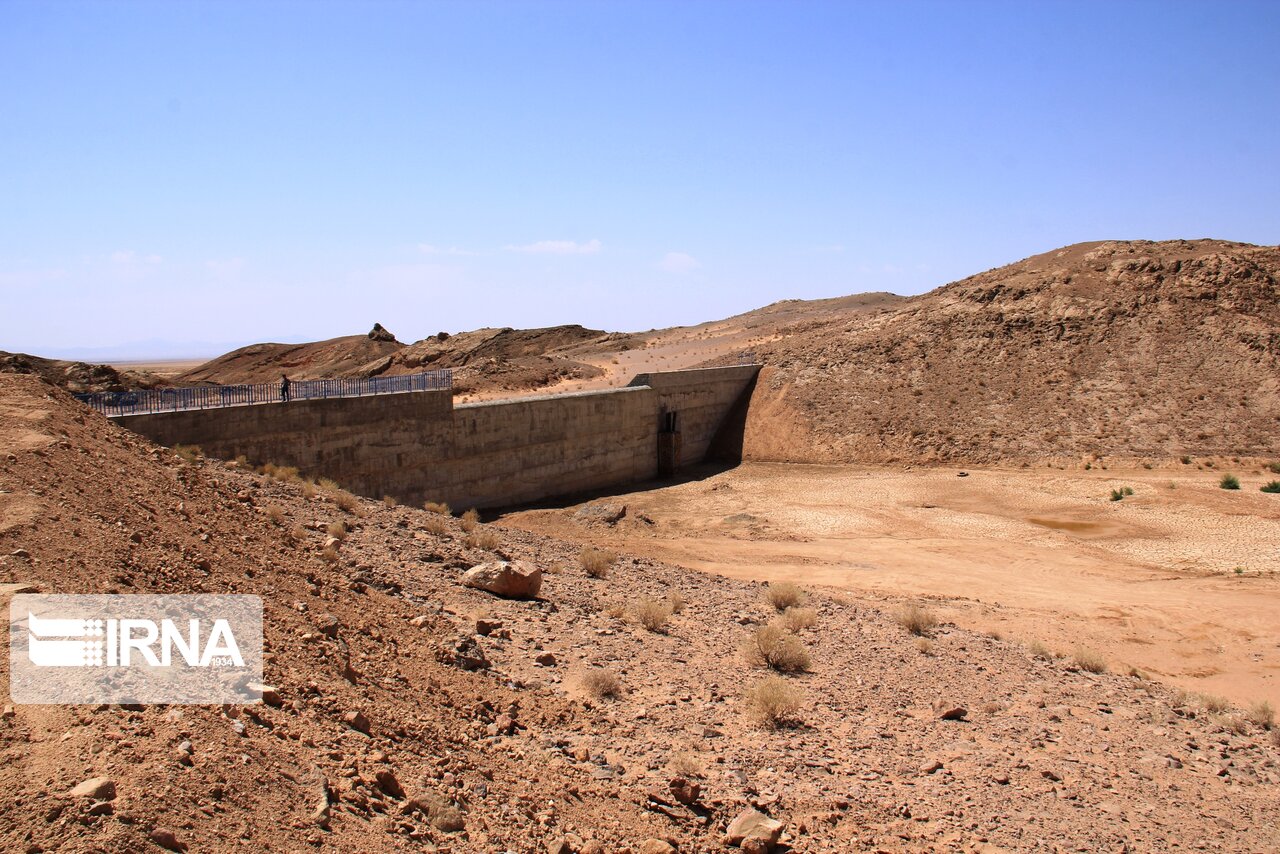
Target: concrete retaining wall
[(418, 446)]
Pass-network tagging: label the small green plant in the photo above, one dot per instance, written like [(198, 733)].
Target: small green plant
[(1229, 481), (1273, 487), (1239, 570), (1185, 460), (1274, 467), (1117, 495)]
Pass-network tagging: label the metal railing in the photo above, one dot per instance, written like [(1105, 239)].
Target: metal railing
[(146, 401)]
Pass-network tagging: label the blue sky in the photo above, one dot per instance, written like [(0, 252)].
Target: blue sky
[(218, 173)]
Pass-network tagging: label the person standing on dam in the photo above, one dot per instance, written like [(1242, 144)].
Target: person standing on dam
[(284, 388)]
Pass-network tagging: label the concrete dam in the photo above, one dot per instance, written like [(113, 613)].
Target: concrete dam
[(418, 446)]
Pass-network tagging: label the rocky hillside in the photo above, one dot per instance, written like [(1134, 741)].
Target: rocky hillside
[(1120, 348), (346, 356), (620, 711), (77, 376)]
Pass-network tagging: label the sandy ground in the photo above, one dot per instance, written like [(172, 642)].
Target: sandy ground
[(1178, 580), (166, 368)]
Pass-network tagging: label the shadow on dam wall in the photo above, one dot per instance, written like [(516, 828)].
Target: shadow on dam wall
[(419, 446)]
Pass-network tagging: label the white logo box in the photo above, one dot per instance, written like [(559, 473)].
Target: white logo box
[(135, 649)]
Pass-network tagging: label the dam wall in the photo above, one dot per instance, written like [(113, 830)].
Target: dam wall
[(418, 446)]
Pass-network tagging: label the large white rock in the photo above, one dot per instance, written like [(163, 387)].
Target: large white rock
[(509, 579)]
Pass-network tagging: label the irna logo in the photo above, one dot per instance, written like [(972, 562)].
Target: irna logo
[(135, 649)]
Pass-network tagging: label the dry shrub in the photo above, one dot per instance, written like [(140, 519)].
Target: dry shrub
[(773, 702), (308, 489), (435, 524), (925, 646), (389, 501), (188, 453), (337, 529), (597, 562), (784, 595), (329, 555), (1215, 704), (242, 461), (285, 473), (652, 614), (275, 513), (780, 649), (1039, 650), (297, 533), (1263, 714), (615, 611), (470, 520), (685, 764), (602, 684), (676, 600), (328, 484), (486, 540), (345, 500), (1088, 660), (919, 621), (798, 619), (1233, 724), (437, 507)]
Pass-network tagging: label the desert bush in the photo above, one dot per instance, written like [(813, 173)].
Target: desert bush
[(1272, 487), (1263, 714), (616, 611), (435, 524), (685, 764), (329, 555), (285, 473), (297, 533), (1274, 467), (925, 646), (470, 520), (1214, 703), (308, 489), (676, 599), (242, 461), (1229, 481), (597, 562), (1231, 723), (188, 453), (1116, 495), (784, 595), (389, 501), (917, 620), (437, 507), (275, 513), (602, 683), (1088, 660), (798, 619), (337, 530), (481, 539), (652, 614), (328, 484), (780, 649), (1185, 460), (1039, 650), (773, 702)]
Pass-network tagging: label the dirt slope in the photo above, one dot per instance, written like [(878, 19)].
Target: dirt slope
[(519, 756), (78, 376), (258, 363), (1125, 348)]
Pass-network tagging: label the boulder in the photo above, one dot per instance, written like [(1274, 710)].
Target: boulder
[(755, 825), (509, 579), (656, 846), (98, 788), (605, 514), (380, 333)]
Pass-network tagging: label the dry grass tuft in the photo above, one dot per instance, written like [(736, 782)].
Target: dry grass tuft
[(328, 484), (779, 648), (1234, 724), (1263, 714), (337, 529), (615, 611), (919, 621), (784, 595), (188, 453), (389, 501), (1039, 650), (329, 555), (286, 474), (470, 520), (1216, 705), (652, 614), (275, 513), (486, 540), (1088, 660), (602, 684), (597, 562), (437, 507), (685, 764), (773, 702), (308, 489), (345, 500), (435, 524), (676, 600), (798, 619), (297, 533), (925, 646)]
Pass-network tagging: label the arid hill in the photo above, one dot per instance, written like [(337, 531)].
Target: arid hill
[(78, 376), (1120, 348), (622, 710), (259, 363)]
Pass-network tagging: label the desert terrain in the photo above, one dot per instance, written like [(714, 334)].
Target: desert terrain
[(1178, 581), (973, 585)]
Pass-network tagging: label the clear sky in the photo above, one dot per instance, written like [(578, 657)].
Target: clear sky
[(219, 173)]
